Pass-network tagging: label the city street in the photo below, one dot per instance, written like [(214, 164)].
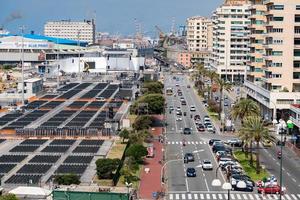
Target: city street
[(179, 186)]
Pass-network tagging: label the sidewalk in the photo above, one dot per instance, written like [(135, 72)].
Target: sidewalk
[(151, 181)]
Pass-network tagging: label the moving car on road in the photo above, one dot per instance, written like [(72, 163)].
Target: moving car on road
[(210, 128), (267, 143), (270, 189), (189, 157), (192, 109), (207, 165), (178, 118), (200, 128), (191, 172), (187, 131)]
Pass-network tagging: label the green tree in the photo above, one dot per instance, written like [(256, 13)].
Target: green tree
[(153, 87), (67, 179), (8, 197), (154, 104), (223, 85), (254, 127), (124, 134), (142, 122), (244, 108), (213, 76), (106, 167), (137, 151)]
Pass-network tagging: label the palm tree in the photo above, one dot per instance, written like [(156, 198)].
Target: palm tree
[(244, 108), (199, 74), (254, 127), (223, 85), (212, 75)]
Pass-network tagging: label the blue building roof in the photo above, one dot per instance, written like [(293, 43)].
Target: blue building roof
[(50, 39)]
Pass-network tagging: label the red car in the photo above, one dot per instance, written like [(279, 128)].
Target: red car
[(269, 189), (200, 128)]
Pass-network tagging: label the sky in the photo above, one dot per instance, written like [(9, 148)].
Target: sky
[(113, 16)]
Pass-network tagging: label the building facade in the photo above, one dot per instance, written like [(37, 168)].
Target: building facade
[(231, 40), (273, 78), (199, 33), (73, 30)]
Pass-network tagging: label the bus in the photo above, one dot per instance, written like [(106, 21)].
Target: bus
[(169, 91)]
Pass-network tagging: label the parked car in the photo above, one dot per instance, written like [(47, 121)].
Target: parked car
[(187, 131), (211, 141), (270, 189), (234, 142), (210, 128), (200, 128), (191, 172), (189, 157), (218, 147), (224, 160), (207, 165), (179, 113), (183, 103)]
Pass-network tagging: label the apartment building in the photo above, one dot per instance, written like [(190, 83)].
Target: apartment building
[(273, 78), (74, 30), (199, 33), (231, 40)]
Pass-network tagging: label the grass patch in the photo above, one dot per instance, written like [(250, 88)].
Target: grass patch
[(250, 170), (117, 150), (135, 184), (213, 115), (103, 182)]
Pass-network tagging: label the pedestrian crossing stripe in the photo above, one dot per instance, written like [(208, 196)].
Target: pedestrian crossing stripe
[(233, 196), (189, 142)]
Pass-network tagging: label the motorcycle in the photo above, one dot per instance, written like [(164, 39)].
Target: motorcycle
[(183, 142), (279, 154)]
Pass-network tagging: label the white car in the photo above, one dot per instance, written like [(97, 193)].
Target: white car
[(224, 160), (210, 128), (207, 165), (179, 118), (193, 109)]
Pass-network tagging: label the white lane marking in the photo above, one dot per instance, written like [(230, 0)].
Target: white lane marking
[(206, 184), (177, 196), (192, 142), (220, 196), (183, 196), (196, 142), (214, 196), (251, 197), (207, 196), (288, 174), (189, 142), (176, 142), (256, 196), (298, 195), (294, 179), (294, 196), (232, 196), (170, 196), (238, 196), (288, 197), (187, 185), (245, 196), (189, 196), (201, 196), (195, 196)]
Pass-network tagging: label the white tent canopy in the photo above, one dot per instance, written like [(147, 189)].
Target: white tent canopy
[(30, 191)]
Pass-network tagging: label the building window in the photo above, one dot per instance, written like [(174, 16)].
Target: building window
[(276, 75), (297, 7), (277, 19), (297, 18), (277, 53), (278, 7)]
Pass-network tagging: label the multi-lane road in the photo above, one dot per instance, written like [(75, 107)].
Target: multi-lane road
[(178, 185)]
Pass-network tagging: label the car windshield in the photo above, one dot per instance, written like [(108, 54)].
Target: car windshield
[(206, 162)]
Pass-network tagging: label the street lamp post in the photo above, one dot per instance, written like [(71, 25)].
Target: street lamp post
[(22, 28), (128, 185), (57, 57), (282, 129), (78, 43)]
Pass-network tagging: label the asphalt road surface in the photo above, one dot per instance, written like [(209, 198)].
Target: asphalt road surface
[(180, 186)]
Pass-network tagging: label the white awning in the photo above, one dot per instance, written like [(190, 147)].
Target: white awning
[(30, 191)]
